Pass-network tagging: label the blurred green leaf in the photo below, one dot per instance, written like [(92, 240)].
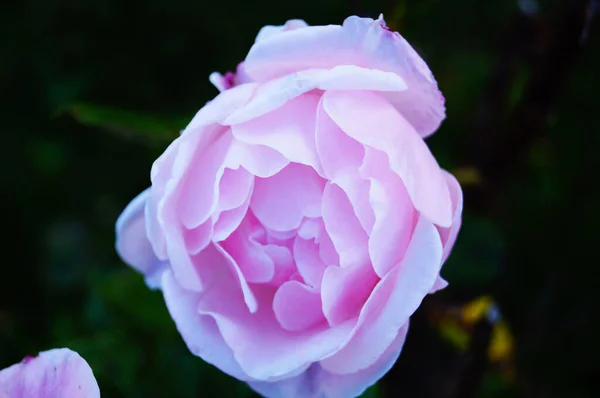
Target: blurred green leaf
[(476, 257), (154, 128), (372, 392), (126, 292)]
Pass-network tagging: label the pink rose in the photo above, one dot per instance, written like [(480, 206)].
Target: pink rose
[(58, 373), (300, 219)]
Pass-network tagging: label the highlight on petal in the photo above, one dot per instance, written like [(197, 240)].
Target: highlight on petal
[(273, 94), (55, 373)]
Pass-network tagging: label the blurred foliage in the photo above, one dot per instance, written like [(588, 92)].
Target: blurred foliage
[(71, 71)]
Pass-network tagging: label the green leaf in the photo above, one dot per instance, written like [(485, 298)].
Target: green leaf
[(153, 128)]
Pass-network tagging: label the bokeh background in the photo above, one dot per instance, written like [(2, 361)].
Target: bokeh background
[(92, 91)]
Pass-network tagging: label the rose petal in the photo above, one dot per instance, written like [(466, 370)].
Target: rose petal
[(345, 290), (341, 157), (361, 42), (220, 108), (448, 235), (273, 94), (297, 307), (250, 256), (395, 216), (280, 202), (270, 30), (132, 243), (317, 382), (199, 332), (55, 373), (372, 121), (289, 129), (229, 220), (346, 233), (262, 348), (200, 187), (259, 160), (308, 262), (392, 302)]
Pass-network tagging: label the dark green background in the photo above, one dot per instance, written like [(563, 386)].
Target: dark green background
[(523, 105)]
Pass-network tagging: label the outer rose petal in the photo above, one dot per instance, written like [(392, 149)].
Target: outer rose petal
[(361, 42), (199, 332), (393, 301), (132, 243), (275, 93), (317, 382), (56, 373), (369, 119), (449, 234), (262, 348), (269, 31)]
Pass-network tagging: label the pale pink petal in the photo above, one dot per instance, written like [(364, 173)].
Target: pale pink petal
[(394, 213), (275, 93), (449, 234), (297, 307), (270, 30), (234, 188), (220, 108), (289, 129), (166, 211), (354, 384), (210, 264), (440, 283), (284, 263), (348, 236), (253, 261), (229, 220), (361, 42), (280, 202), (316, 382), (345, 290), (199, 332), (341, 157), (198, 238), (311, 228), (368, 118), (308, 262), (259, 160), (160, 175), (55, 373), (263, 349), (393, 301), (327, 251), (200, 187), (132, 243)]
